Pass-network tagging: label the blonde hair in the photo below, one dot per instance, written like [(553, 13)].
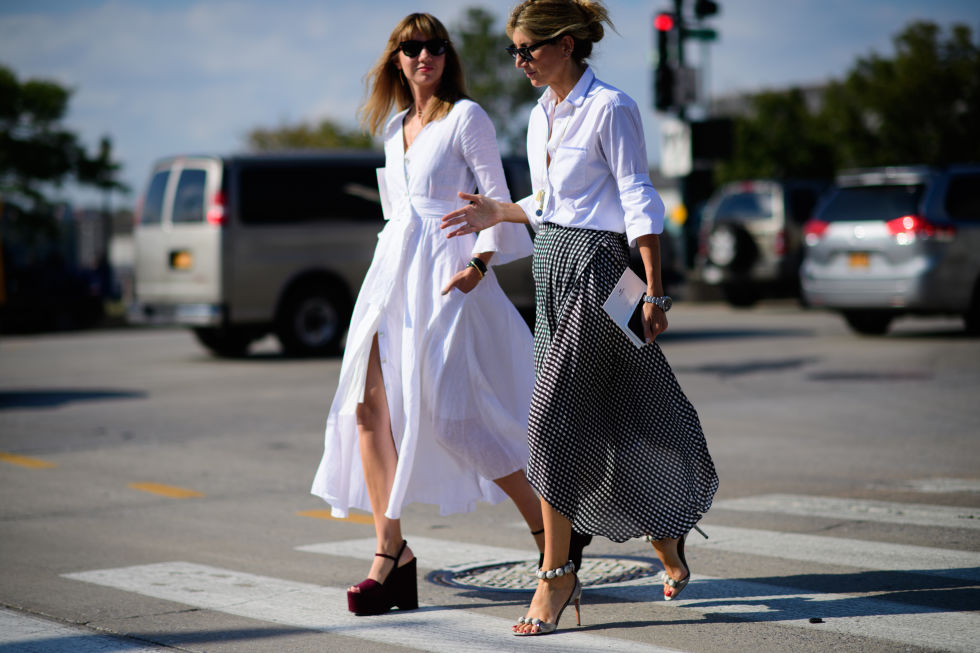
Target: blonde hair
[(546, 19), (386, 85)]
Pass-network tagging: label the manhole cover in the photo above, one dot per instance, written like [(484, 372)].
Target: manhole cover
[(519, 576)]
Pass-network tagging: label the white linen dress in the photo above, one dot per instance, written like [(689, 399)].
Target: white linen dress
[(458, 369)]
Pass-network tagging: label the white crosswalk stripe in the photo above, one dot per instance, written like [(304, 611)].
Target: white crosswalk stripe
[(22, 632), (882, 556), (431, 553), (303, 605), (860, 510), (878, 601)]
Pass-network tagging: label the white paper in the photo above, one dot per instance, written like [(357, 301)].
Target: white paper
[(622, 302)]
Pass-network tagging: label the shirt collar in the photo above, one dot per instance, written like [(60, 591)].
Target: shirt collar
[(578, 93)]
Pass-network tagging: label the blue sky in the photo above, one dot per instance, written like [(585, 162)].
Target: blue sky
[(174, 76)]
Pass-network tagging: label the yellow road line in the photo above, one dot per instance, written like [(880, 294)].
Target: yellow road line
[(325, 514), (166, 490), (24, 461)]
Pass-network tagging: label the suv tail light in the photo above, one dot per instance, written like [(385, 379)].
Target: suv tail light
[(909, 227), (216, 210), (813, 231), (779, 245)]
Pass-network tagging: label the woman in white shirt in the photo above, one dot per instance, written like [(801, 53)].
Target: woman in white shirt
[(432, 399), (616, 448)]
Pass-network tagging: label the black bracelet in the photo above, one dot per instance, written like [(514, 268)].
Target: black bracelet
[(480, 266)]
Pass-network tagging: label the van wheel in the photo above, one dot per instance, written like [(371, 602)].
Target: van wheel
[(312, 321), (227, 343), (868, 323)]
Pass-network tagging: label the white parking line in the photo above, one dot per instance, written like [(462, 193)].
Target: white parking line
[(963, 565), (303, 605), (859, 510), (20, 632)]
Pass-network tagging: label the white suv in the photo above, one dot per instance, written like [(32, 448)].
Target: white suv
[(894, 241)]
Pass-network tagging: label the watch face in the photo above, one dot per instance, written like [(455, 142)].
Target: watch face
[(667, 303)]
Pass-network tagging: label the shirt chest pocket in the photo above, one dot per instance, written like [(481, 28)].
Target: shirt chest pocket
[(569, 170)]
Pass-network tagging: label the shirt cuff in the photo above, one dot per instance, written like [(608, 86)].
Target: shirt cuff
[(528, 206)]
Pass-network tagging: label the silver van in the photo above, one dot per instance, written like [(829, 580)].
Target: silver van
[(236, 247), (896, 241)]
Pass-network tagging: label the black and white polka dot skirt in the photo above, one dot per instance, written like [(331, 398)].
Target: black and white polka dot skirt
[(615, 444)]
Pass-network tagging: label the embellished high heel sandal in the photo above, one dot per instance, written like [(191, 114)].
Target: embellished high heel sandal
[(399, 589), (545, 627), (674, 584)]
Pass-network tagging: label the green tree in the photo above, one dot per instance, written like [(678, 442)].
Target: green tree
[(491, 79), (324, 135), (921, 106), (780, 137), (36, 151)]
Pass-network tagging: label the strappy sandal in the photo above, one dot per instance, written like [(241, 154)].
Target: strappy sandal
[(674, 584), (546, 627)]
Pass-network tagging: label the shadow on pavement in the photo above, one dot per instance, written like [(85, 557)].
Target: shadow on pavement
[(54, 397)]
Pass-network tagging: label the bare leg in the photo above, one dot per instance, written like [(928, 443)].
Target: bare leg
[(379, 458), (524, 497), (667, 552), (551, 594)]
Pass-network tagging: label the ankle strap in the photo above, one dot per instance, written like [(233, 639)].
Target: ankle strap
[(396, 556), (567, 568), (538, 532)]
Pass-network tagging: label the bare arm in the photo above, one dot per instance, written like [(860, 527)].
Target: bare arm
[(654, 319), (481, 213)]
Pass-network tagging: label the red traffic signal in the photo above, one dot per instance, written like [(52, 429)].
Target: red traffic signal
[(664, 22)]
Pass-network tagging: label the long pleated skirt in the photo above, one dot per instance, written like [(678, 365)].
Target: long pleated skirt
[(615, 445)]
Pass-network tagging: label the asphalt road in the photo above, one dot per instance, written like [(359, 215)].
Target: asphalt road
[(155, 498)]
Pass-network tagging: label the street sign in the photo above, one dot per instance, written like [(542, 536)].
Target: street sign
[(675, 147), (703, 34)]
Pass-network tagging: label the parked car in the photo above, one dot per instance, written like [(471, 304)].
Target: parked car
[(895, 241), (236, 247), (751, 236)]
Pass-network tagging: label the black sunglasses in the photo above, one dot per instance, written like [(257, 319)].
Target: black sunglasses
[(414, 48), (525, 52)]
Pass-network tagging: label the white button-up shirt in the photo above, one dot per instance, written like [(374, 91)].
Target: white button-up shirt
[(598, 177)]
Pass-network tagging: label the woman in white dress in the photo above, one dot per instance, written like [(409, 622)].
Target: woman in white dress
[(436, 379)]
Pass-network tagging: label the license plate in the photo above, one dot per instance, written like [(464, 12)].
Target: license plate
[(859, 259)]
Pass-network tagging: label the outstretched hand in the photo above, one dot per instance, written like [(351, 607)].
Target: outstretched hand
[(481, 213)]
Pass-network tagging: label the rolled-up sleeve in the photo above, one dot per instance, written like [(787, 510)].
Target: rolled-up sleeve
[(621, 140)]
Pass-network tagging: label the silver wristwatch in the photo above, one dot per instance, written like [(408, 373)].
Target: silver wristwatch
[(664, 302)]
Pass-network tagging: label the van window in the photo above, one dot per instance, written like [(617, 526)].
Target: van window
[(873, 202), (153, 202), (278, 194), (963, 197), (189, 200)]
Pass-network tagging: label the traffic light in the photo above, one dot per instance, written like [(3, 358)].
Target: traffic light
[(705, 8), (666, 28)]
